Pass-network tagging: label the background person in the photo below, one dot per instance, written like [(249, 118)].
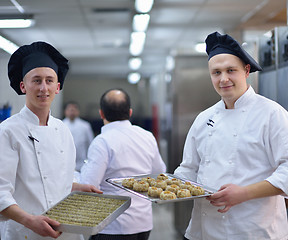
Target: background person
[(122, 150), (81, 131), (239, 146), (37, 151)]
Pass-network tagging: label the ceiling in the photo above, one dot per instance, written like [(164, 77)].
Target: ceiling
[(95, 34)]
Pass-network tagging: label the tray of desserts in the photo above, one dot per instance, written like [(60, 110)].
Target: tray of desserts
[(87, 213), (162, 188)]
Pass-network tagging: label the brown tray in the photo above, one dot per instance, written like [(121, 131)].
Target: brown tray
[(95, 223), (118, 183)]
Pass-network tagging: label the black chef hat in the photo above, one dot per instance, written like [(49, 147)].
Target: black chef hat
[(38, 54), (217, 44)]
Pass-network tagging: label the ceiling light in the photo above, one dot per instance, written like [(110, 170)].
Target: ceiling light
[(135, 63), (16, 23), (200, 47), (143, 6), (137, 43), (140, 22), (134, 77), (7, 45)]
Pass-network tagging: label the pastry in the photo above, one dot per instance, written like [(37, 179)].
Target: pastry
[(128, 182), (140, 186), (176, 181), (182, 193), (172, 188), (162, 176), (160, 184), (167, 195), (196, 191), (154, 192)]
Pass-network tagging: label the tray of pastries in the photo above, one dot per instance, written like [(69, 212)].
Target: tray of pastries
[(162, 188), (87, 213)]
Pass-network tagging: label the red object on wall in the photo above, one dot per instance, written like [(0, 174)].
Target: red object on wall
[(155, 121)]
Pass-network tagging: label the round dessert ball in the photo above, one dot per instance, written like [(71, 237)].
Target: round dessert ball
[(196, 191), (140, 186), (167, 195), (176, 181), (154, 192), (172, 188), (182, 193), (128, 182), (162, 176), (160, 184)]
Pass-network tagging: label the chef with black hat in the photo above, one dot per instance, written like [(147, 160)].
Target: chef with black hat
[(239, 146), (37, 150)]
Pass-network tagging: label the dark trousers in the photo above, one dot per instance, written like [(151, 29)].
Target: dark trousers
[(136, 236), (185, 238)]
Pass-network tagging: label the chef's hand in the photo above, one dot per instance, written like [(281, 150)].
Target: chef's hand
[(85, 188), (228, 195), (43, 226)]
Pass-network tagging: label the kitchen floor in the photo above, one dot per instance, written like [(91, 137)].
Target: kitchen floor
[(163, 220)]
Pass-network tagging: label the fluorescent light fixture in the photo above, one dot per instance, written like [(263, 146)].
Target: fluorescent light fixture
[(137, 42), (200, 47), (143, 6), (134, 77), (135, 63), (140, 22), (16, 23), (7, 45), (170, 63)]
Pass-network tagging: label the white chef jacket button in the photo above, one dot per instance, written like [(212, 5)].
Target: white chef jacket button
[(45, 177), (56, 128), (235, 134), (61, 151), (223, 217), (38, 153), (230, 162), (204, 214), (210, 133)]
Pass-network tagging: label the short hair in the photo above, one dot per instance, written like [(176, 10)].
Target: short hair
[(115, 109), (76, 104)]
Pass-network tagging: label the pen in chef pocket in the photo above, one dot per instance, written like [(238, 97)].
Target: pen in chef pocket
[(33, 139)]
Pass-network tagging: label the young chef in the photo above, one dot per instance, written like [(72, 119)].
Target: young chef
[(239, 146), (37, 151)]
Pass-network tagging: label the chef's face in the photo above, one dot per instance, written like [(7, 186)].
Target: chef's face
[(228, 74), (40, 86), (72, 111)]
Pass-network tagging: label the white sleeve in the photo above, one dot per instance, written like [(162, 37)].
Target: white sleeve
[(93, 171)]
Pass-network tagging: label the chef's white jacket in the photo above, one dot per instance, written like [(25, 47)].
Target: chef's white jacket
[(83, 135), (122, 150), (37, 166), (242, 146)]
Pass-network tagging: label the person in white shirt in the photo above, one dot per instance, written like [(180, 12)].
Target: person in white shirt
[(37, 151), (81, 131), (122, 150), (239, 146)]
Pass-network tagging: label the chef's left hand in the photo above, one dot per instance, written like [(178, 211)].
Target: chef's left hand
[(228, 195), (85, 188)]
